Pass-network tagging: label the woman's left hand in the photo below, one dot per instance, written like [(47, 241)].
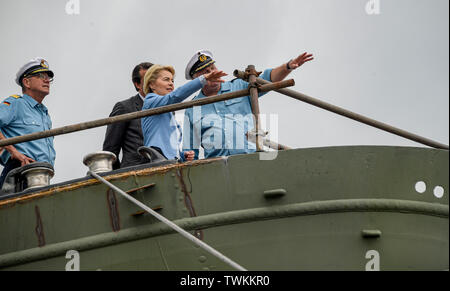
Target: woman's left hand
[(189, 155)]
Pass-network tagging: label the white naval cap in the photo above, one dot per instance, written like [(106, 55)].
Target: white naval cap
[(33, 66), (200, 60)]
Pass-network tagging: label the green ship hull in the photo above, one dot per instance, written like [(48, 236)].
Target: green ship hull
[(333, 208)]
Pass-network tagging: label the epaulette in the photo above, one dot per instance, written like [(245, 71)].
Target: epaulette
[(12, 96)]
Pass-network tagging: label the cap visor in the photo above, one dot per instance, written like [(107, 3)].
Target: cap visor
[(50, 73)]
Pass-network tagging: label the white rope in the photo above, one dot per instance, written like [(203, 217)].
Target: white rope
[(175, 227)]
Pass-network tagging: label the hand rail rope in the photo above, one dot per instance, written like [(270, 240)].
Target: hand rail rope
[(349, 114), (172, 225)]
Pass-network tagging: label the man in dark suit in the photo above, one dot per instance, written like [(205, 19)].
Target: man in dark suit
[(127, 135)]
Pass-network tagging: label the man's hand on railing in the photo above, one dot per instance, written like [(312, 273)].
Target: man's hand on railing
[(15, 154)]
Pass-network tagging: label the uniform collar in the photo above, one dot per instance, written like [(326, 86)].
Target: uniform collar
[(226, 86), (34, 103)]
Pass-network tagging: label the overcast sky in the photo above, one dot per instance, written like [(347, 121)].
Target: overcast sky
[(391, 65)]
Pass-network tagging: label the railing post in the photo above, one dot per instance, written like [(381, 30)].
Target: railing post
[(252, 74)]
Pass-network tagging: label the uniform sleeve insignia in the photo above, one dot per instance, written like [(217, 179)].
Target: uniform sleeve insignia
[(7, 103)]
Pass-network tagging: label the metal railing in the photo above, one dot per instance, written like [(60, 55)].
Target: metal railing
[(255, 85), (347, 113), (139, 114)]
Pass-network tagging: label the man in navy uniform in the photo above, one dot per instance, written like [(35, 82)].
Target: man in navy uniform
[(25, 114), (127, 136), (208, 129)]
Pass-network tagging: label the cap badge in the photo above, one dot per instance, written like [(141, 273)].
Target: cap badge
[(202, 58), (44, 64)]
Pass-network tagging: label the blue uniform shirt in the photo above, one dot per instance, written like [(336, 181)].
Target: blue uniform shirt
[(162, 130), (220, 127), (21, 115)]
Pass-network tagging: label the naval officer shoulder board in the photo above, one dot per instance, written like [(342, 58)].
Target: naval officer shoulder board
[(8, 100)]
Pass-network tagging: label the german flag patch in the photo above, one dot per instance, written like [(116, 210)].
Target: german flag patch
[(6, 102)]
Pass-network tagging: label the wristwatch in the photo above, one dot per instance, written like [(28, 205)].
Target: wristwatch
[(287, 65)]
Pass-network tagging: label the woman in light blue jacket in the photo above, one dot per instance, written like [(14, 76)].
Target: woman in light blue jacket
[(162, 131)]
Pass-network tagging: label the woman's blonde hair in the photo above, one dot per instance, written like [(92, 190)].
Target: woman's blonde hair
[(152, 74)]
